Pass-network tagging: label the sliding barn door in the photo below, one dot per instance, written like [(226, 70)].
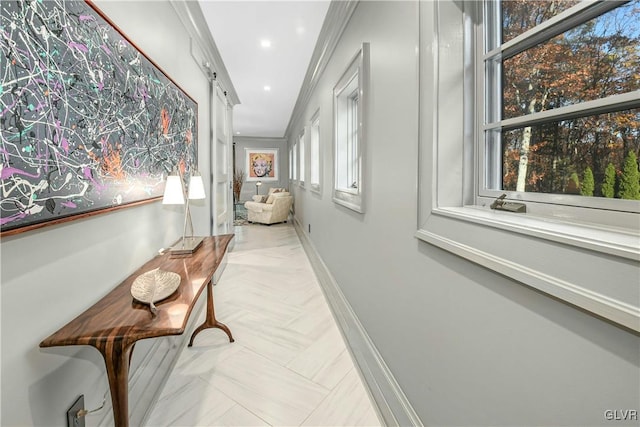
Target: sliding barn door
[(221, 176)]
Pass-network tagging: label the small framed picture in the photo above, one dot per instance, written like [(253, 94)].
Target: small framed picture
[(261, 164)]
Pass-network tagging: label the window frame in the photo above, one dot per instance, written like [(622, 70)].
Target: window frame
[(599, 210), (291, 163), (302, 151), (343, 94), (295, 160), (454, 216), (315, 159)]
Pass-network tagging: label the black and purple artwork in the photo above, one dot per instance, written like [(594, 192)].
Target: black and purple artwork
[(88, 122)]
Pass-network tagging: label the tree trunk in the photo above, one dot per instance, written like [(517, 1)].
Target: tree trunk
[(524, 148), (524, 159)]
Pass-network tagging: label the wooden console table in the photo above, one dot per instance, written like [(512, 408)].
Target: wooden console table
[(115, 323)]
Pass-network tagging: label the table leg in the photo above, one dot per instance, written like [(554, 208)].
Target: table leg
[(210, 321), (117, 358)]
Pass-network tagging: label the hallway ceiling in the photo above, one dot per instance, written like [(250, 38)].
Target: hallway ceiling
[(266, 47)]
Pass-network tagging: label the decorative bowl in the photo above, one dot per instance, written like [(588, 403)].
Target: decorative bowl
[(154, 285)]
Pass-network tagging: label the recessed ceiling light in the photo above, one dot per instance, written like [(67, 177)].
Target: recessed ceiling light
[(300, 30), (265, 43), (267, 88)]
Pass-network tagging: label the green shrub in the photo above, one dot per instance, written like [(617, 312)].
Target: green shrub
[(588, 183), (630, 178), (608, 188)]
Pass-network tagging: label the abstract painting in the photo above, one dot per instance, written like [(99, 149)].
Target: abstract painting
[(262, 164), (88, 122)]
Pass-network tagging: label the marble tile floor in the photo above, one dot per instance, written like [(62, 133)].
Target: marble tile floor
[(288, 365)]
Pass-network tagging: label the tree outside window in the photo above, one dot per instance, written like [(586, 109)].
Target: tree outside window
[(566, 106)]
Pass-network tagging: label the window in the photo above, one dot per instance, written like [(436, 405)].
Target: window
[(349, 96), (348, 178), (562, 118), (314, 164), (295, 161), (301, 144), (478, 109), (290, 163)]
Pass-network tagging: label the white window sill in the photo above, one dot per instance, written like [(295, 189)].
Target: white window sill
[(349, 200), (590, 267), (613, 241)]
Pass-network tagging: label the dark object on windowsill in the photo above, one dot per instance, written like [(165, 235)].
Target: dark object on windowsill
[(500, 205)]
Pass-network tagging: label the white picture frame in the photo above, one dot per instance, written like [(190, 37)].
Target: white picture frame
[(261, 164)]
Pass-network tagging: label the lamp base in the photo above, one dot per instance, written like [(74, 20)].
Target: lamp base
[(186, 246)]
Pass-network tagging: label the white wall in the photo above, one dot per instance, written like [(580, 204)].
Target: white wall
[(249, 188), (51, 275), (467, 346)]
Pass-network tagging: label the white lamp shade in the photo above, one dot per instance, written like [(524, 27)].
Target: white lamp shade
[(173, 191), (196, 187)]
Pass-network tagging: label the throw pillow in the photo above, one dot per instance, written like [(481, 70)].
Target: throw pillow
[(270, 200), (264, 199)]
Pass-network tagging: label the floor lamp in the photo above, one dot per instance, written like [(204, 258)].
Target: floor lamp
[(174, 194)]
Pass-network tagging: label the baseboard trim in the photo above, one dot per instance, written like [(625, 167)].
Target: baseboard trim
[(393, 406)]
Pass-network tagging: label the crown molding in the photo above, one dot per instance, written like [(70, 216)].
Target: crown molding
[(240, 138), (203, 48), (338, 15)]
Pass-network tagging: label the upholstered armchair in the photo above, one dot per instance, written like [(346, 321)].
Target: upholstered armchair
[(275, 208)]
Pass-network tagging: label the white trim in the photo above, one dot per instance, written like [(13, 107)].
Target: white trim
[(622, 101), (564, 21), (206, 54), (609, 308), (600, 210), (302, 158), (392, 404), (348, 200), (314, 123), (588, 265), (357, 71), (620, 242), (291, 164), (338, 15), (294, 162)]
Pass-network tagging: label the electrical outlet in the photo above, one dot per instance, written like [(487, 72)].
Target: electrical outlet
[(72, 419)]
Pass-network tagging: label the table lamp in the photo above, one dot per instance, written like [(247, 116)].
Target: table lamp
[(174, 194), (258, 184)]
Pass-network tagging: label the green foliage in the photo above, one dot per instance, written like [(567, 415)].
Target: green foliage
[(608, 188), (592, 61), (573, 186), (630, 179), (588, 184)]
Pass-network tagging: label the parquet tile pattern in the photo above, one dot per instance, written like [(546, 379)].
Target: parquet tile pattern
[(288, 366)]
